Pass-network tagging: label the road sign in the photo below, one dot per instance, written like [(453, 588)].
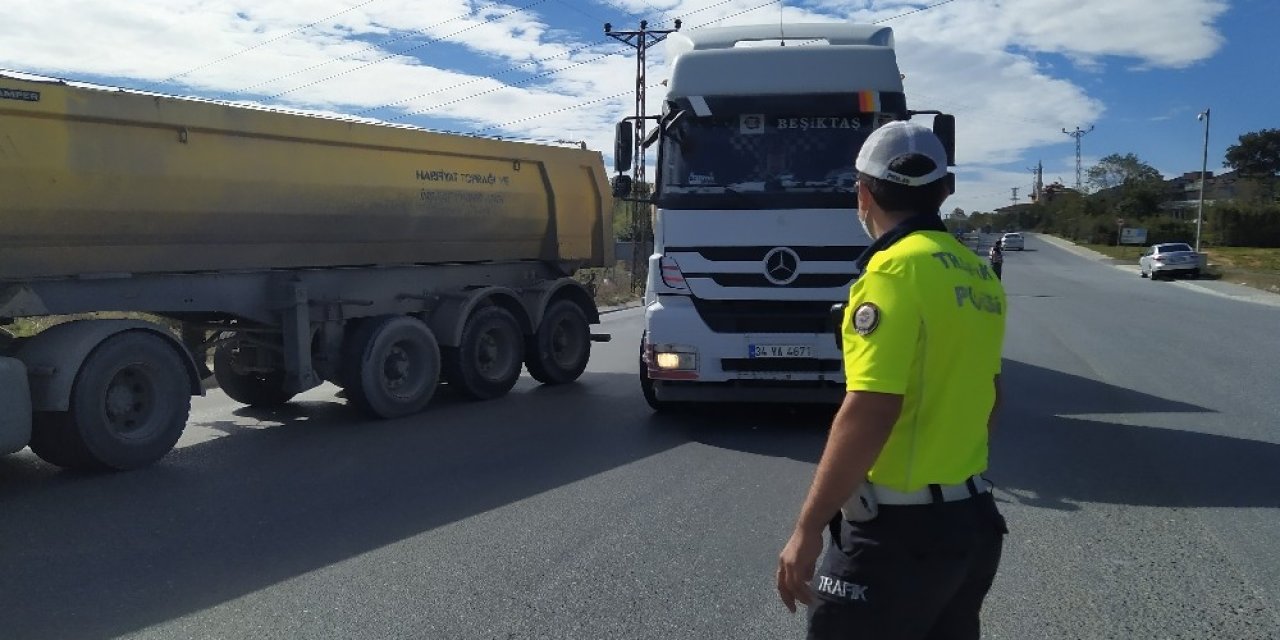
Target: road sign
[(1131, 235)]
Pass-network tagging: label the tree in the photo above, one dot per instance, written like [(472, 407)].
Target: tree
[(1256, 155), (1257, 158), (1128, 186), (958, 213), (1125, 170)]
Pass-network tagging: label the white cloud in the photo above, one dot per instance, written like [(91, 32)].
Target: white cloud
[(970, 57)]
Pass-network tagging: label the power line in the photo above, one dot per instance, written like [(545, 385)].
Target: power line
[(504, 86), (371, 47), (656, 84), (739, 13), (721, 3), (582, 63), (560, 110), (256, 46), (573, 5), (633, 14), (615, 6), (697, 11), (915, 11), (413, 48), (483, 78)]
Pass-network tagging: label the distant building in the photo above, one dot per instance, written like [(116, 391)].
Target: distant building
[(1050, 192), (1182, 194)]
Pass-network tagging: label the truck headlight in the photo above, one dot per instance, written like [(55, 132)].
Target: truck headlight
[(669, 358)]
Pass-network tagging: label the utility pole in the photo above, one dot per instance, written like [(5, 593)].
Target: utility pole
[(1204, 169), (1015, 196), (1037, 181), (1078, 134), (641, 229)]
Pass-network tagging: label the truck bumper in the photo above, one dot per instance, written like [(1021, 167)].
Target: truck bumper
[(723, 369)]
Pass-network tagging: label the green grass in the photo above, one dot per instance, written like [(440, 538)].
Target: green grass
[(1250, 266), (1246, 258), (611, 286)]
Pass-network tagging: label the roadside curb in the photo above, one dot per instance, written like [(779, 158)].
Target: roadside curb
[(622, 307), (1248, 294), (1076, 249)]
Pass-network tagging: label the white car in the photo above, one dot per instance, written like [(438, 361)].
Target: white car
[(1169, 259), (1012, 242)]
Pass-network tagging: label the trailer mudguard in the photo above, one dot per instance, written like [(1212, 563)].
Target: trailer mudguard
[(54, 356), (15, 406)]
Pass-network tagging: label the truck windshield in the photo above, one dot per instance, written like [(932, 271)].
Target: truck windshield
[(762, 161)]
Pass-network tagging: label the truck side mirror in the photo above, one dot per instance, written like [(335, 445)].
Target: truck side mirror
[(624, 144), (622, 185), (944, 126)]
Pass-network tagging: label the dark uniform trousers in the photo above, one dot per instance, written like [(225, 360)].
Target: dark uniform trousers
[(912, 573)]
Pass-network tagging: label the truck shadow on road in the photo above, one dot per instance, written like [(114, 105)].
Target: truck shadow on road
[(1064, 440), (1057, 445), (293, 491), (285, 493)]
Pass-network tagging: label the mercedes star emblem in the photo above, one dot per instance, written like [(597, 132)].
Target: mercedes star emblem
[(781, 266)]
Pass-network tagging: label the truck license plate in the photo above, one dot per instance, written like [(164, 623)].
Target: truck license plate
[(780, 351)]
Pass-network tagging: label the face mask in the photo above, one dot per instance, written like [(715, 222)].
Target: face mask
[(865, 227)]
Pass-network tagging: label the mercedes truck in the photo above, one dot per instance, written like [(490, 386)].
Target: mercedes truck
[(756, 233)]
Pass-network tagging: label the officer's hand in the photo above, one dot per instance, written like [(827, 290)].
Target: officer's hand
[(795, 568)]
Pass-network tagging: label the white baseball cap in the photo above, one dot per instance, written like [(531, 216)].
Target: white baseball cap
[(895, 140)]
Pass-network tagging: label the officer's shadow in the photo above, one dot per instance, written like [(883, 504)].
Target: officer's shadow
[(1062, 440)]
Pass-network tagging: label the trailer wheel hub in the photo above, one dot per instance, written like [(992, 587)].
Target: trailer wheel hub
[(128, 402), (396, 368)]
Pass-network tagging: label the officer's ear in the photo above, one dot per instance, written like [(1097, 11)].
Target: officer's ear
[(836, 322)]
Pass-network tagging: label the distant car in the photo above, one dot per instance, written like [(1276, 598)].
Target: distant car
[(1012, 241), (1169, 259)]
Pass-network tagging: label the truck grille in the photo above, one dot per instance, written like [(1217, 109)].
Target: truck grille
[(754, 254), (804, 281), (846, 256), (764, 316)]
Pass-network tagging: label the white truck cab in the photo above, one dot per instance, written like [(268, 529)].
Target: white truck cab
[(756, 232)]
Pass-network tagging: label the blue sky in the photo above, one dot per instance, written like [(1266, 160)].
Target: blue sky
[(1015, 72), (1152, 112)]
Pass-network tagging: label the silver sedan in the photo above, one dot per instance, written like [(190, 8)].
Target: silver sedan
[(1169, 260)]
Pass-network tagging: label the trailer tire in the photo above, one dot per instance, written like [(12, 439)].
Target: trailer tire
[(487, 361), (559, 351), (390, 366), (129, 405), (254, 389)]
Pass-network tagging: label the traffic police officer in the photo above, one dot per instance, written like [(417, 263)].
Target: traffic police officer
[(916, 545)]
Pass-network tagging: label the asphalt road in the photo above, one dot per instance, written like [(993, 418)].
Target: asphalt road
[(1138, 463)]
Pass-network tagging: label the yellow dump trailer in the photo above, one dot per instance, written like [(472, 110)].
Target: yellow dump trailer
[(100, 181), (296, 249)]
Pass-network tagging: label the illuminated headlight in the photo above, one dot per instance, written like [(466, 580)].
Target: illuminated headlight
[(674, 359)]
